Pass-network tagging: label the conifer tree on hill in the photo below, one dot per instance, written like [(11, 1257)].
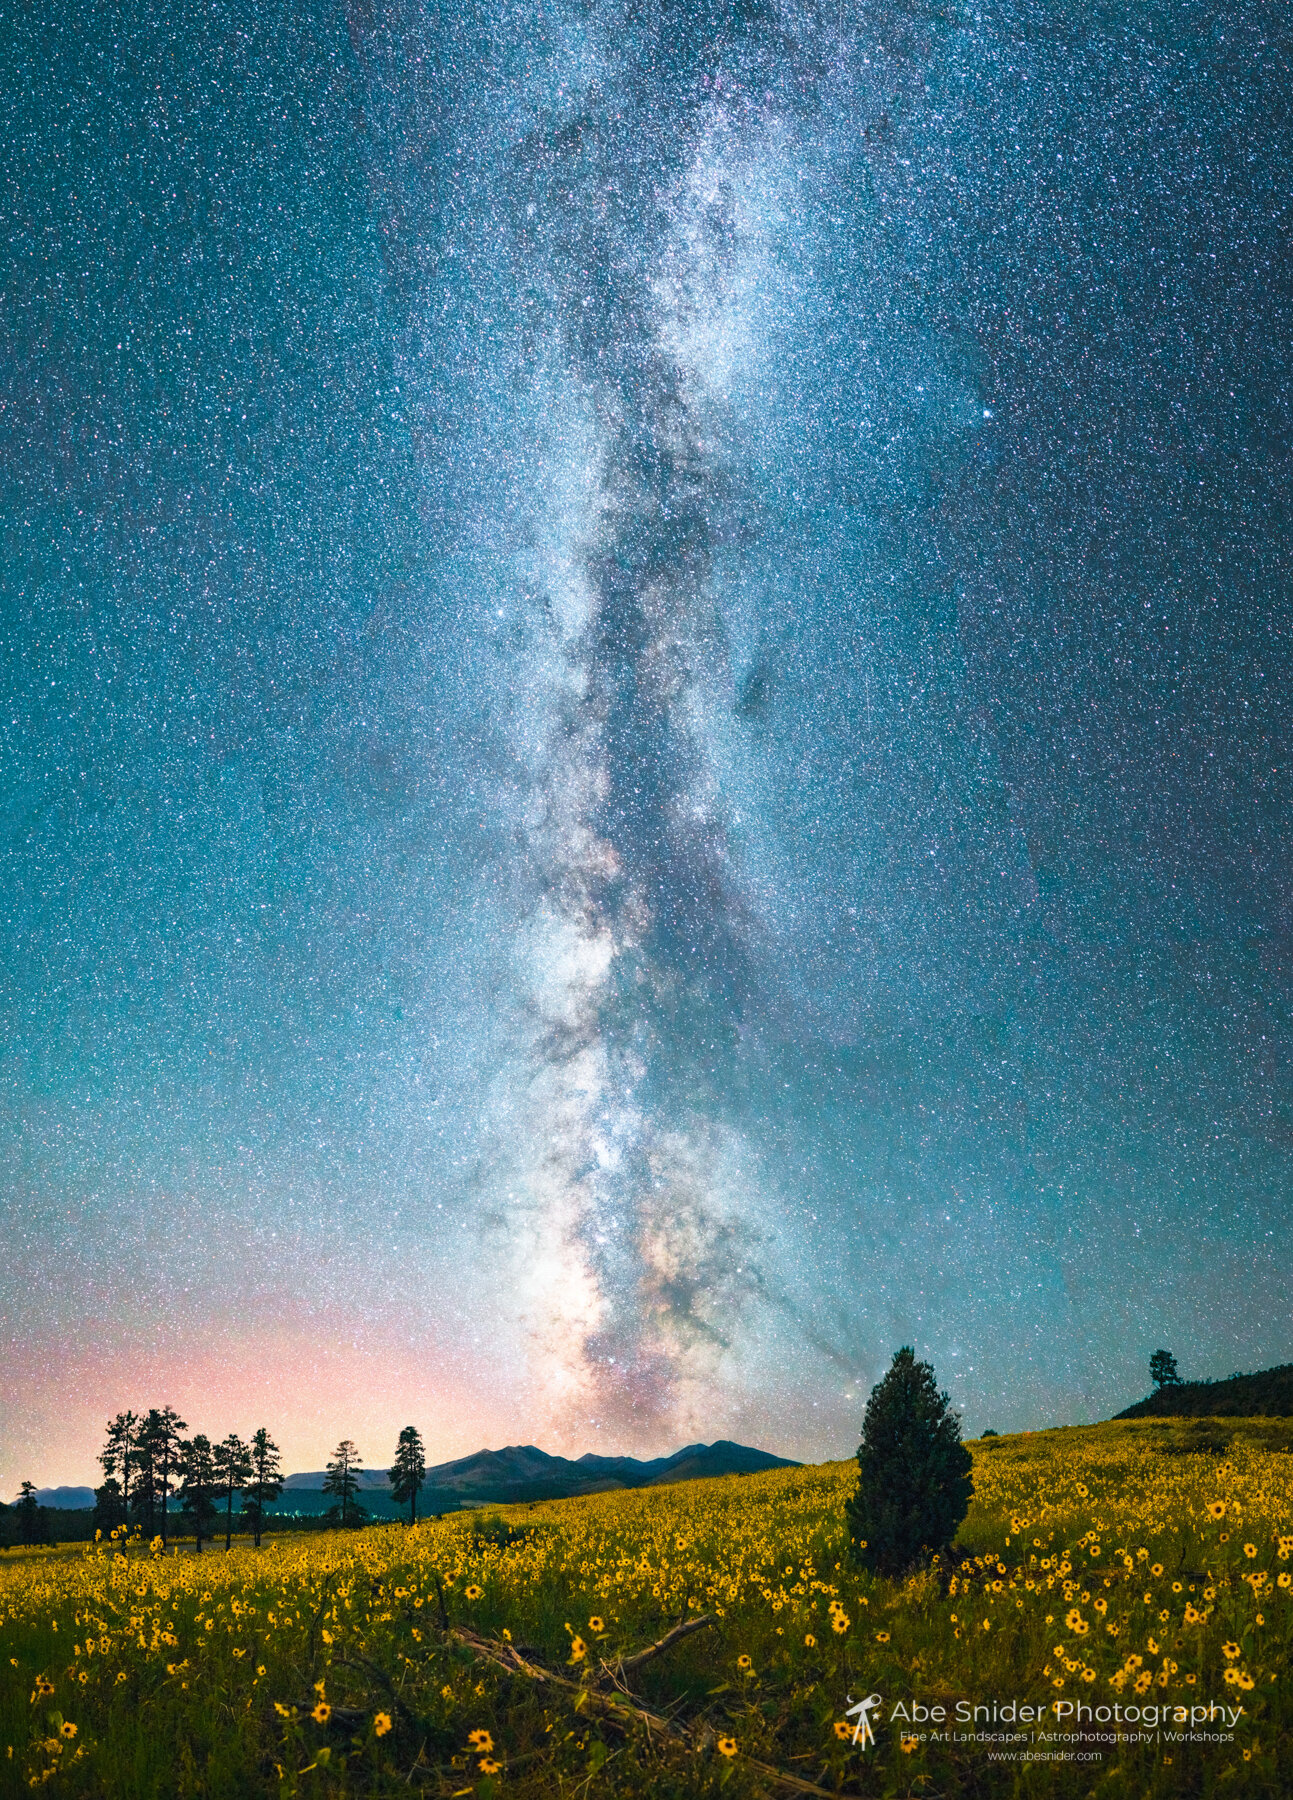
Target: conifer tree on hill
[(914, 1481), (1162, 1370)]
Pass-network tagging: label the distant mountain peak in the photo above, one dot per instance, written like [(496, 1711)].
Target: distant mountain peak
[(526, 1469)]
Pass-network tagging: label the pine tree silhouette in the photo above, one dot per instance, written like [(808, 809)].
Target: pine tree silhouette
[(265, 1483), (409, 1471), (914, 1481), (1162, 1370), (341, 1478)]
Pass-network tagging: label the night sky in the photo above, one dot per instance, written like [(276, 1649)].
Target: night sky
[(645, 715)]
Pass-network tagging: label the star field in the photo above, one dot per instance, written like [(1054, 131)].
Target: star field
[(644, 713)]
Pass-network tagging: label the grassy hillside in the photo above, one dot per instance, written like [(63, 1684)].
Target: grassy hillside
[(1266, 1395), (1116, 1565)]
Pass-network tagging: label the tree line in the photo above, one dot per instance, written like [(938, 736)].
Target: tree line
[(157, 1480), (148, 1463)]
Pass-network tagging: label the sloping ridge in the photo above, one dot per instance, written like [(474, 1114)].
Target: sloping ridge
[(1268, 1394)]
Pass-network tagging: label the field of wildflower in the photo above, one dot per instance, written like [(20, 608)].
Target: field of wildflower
[(1143, 1565)]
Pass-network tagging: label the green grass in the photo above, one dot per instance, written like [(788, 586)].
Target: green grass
[(191, 1676)]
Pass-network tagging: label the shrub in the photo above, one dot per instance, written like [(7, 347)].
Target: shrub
[(914, 1481)]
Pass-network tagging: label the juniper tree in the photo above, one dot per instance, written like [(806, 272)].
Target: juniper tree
[(913, 1471), (340, 1479), (233, 1470), (409, 1471), (265, 1481), (197, 1471)]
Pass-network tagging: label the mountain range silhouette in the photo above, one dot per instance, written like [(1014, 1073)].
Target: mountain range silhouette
[(519, 1472)]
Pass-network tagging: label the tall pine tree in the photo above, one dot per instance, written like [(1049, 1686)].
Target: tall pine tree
[(409, 1471), (197, 1471), (265, 1482), (143, 1491), (233, 1472), (160, 1437), (341, 1479), (117, 1460)]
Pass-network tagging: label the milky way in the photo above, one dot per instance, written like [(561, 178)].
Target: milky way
[(645, 733)]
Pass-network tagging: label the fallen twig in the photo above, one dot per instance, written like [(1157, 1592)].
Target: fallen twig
[(627, 1665), (619, 1709), (616, 1710)]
